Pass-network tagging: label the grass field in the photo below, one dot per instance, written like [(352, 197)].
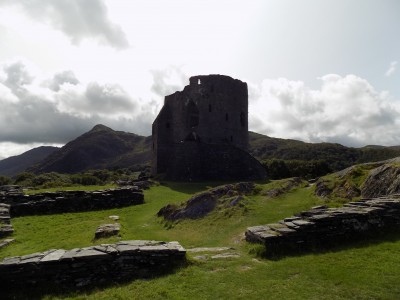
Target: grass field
[(363, 270)]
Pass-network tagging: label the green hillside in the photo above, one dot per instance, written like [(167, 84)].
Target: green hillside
[(19, 163), (345, 272), (295, 158), (100, 148)]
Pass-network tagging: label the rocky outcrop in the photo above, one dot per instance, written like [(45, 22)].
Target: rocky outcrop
[(71, 201), (323, 227), (322, 190), (90, 266), (203, 203), (384, 180), (286, 187)]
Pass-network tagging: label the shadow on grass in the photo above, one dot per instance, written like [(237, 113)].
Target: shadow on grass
[(50, 289), (315, 248)]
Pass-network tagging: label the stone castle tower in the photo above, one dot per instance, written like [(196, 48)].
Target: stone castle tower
[(202, 132)]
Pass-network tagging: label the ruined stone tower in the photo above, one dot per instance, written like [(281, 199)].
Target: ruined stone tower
[(202, 132)]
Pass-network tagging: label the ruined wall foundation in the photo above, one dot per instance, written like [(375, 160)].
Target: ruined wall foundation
[(90, 266), (324, 228), (71, 201)]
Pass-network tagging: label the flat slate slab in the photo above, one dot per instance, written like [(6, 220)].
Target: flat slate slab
[(107, 230), (6, 242), (6, 228)]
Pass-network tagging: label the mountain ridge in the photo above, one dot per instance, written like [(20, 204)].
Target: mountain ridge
[(101, 147), (104, 148), (15, 164)]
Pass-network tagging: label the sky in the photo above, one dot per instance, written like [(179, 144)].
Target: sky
[(317, 70)]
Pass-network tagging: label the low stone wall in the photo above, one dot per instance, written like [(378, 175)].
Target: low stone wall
[(323, 227), (103, 264), (71, 201)]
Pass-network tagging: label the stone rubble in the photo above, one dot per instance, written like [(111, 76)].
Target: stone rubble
[(107, 230), (6, 242), (5, 226), (323, 227), (208, 253), (89, 266)]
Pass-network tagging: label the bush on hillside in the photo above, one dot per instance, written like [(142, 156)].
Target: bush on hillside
[(4, 180), (280, 169)]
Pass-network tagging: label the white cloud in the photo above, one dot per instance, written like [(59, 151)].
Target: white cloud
[(62, 108), (392, 69), (61, 78), (345, 109), (105, 100), (77, 19), (168, 81)]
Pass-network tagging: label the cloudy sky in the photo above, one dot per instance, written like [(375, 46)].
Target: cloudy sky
[(317, 70)]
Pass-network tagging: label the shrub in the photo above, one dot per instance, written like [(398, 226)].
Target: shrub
[(4, 180), (24, 179)]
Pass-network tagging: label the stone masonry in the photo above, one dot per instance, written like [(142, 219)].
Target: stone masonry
[(71, 201), (5, 224), (90, 266), (201, 133), (322, 227)]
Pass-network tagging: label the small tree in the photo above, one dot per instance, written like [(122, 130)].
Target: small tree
[(24, 179), (4, 180)]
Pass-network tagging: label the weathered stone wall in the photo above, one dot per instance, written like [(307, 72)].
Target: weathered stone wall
[(103, 264), (211, 112), (71, 201), (323, 227), (5, 224)]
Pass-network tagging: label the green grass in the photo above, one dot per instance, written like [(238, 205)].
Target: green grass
[(364, 270)]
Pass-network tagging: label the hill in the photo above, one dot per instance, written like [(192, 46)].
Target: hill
[(100, 148), (104, 148), (335, 156), (19, 163)]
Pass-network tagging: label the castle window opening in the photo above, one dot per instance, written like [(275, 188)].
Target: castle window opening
[(226, 117), (199, 81), (167, 125), (209, 108), (231, 139)]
